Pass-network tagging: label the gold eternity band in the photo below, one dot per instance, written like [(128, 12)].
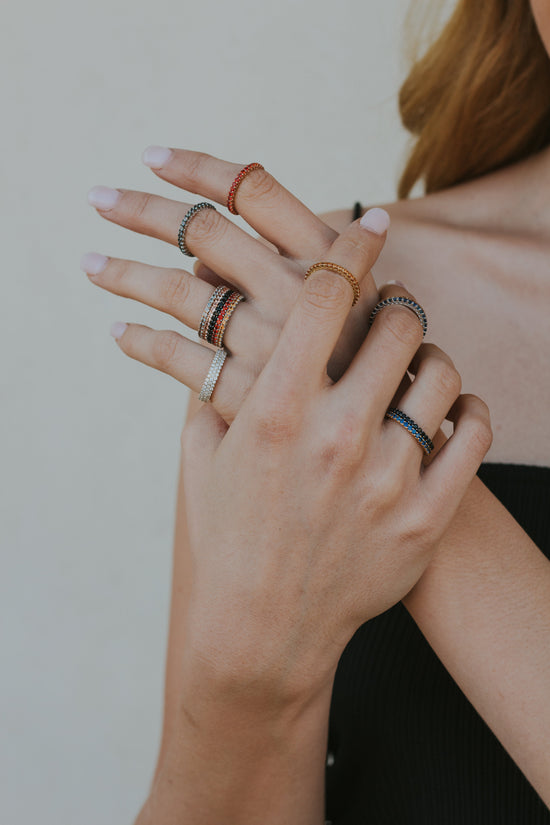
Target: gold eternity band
[(338, 270)]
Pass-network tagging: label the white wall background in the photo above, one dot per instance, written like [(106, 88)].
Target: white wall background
[(90, 438)]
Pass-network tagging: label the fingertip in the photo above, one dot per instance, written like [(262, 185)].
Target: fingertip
[(375, 220), (93, 263), (118, 329), (155, 157)]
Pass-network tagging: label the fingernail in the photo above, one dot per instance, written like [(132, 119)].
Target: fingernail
[(102, 197), (118, 329), (397, 283), (93, 263), (156, 156), (376, 220)]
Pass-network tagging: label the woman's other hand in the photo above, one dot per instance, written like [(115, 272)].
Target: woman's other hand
[(269, 278)]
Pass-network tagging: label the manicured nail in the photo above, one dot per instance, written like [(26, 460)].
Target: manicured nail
[(376, 220), (397, 283), (156, 156), (93, 263), (102, 197), (118, 329)]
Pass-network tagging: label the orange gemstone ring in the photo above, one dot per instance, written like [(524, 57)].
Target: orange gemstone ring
[(339, 270), (237, 182)]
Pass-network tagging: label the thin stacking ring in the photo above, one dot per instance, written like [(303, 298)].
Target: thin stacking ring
[(212, 376), (339, 270), (185, 222), (408, 303), (397, 415), (217, 312), (237, 182)]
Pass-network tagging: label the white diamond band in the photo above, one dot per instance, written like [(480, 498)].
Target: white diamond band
[(213, 374)]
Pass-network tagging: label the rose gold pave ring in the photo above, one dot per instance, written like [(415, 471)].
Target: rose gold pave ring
[(217, 312), (339, 270), (237, 182)]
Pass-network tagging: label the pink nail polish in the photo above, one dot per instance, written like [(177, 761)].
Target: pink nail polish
[(93, 263), (156, 156), (397, 283), (118, 329), (102, 197), (376, 220)]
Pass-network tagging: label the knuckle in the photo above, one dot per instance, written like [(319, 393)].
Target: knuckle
[(402, 325), (448, 379), (119, 271), (382, 489), (141, 204), (261, 184), (354, 243), (195, 168), (342, 445), (208, 225), (325, 291), (481, 436), (175, 292), (164, 350)]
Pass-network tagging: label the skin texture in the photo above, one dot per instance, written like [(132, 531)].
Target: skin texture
[(541, 13), (481, 537), (493, 236)]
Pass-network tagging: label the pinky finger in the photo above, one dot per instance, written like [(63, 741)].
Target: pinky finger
[(450, 473), (186, 361)]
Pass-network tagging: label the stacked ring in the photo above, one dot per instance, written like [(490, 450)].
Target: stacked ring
[(408, 303), (185, 222), (215, 318), (237, 182), (339, 270), (212, 376), (397, 415)]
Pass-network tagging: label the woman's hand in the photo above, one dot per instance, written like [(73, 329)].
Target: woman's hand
[(311, 513), (257, 503), (270, 281)]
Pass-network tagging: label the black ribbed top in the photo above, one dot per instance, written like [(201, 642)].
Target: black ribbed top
[(405, 745)]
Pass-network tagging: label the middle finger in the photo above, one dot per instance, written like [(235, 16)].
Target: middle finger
[(233, 254)]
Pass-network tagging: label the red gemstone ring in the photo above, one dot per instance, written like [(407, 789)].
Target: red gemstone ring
[(237, 182)]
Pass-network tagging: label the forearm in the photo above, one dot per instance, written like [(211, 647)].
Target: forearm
[(483, 604), (235, 766), (236, 760)]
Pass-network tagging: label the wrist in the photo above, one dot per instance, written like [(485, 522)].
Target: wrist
[(249, 684), (233, 658), (229, 754)]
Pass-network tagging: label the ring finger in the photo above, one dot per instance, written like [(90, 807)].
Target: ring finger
[(175, 292)]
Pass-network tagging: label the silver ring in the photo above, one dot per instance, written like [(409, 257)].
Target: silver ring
[(408, 303), (213, 374), (185, 222)]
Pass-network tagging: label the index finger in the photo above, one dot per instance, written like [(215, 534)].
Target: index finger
[(274, 212)]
